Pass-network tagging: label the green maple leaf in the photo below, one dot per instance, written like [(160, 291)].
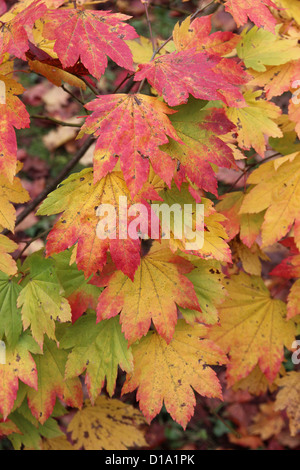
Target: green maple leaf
[(10, 315), (51, 383), (41, 300), (99, 349)]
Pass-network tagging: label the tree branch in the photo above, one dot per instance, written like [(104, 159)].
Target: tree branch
[(55, 121)]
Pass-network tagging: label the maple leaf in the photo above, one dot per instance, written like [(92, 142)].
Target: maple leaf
[(7, 264), (268, 422), (3, 7), (10, 315), (214, 234), (91, 36), (19, 366), (253, 328), (40, 299), (10, 193), (200, 145), (99, 349), (289, 268), (131, 127), (57, 443), (14, 25), (51, 384), (256, 10), (204, 76), (142, 49), (288, 399), (259, 48), (31, 430), (294, 115), (207, 279), (196, 35), (158, 287), (293, 300), (249, 257), (290, 9), (255, 121), (12, 114), (257, 383), (43, 60), (168, 373), (246, 225), (79, 222), (276, 80), (277, 190), (80, 294), (109, 425)]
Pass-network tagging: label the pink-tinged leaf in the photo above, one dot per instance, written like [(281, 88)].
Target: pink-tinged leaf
[(14, 36), (196, 35), (91, 36), (256, 10), (131, 127), (206, 77), (78, 199), (12, 114), (199, 131), (169, 373)]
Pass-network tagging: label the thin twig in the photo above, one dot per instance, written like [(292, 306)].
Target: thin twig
[(250, 167), (90, 86), (72, 95), (149, 26), (129, 75)]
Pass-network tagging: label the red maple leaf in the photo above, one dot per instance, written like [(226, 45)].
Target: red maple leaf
[(256, 10), (90, 36), (131, 127)]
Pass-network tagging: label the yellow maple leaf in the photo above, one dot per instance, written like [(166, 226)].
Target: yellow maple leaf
[(110, 425), (57, 443), (54, 74), (253, 328), (158, 287), (256, 382), (7, 264), (250, 257), (255, 121), (277, 190), (276, 80), (10, 193), (268, 422), (169, 373), (288, 398)]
